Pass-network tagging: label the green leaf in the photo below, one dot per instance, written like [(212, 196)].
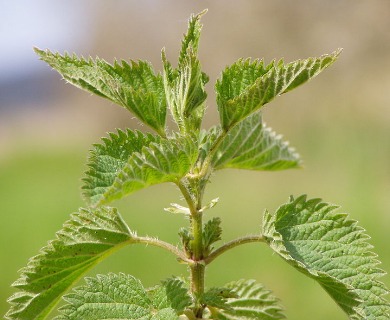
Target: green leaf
[(252, 301), (184, 86), (191, 83), (164, 314), (218, 298), (186, 94), (88, 237), (332, 249), (239, 77), (191, 77), (112, 296), (191, 38), (109, 158), (207, 141), (251, 145), (246, 86), (133, 86), (172, 293), (168, 161), (211, 233), (186, 238)]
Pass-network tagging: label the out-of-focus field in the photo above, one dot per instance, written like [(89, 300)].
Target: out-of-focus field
[(339, 123)]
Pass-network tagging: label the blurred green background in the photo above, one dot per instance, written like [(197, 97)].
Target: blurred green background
[(339, 123)]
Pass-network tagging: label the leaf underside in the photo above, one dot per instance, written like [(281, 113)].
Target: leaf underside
[(252, 301), (332, 249), (246, 86), (114, 296), (85, 239), (134, 86), (250, 145)]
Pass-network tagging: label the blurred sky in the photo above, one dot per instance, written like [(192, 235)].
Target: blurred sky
[(24, 22)]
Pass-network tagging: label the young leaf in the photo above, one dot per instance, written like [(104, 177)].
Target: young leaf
[(251, 145), (252, 301), (177, 208), (212, 233), (240, 93), (184, 86), (326, 246), (191, 90), (112, 296), (186, 94), (84, 240), (207, 141), (109, 158), (168, 161), (238, 77), (133, 86), (186, 238), (191, 38), (209, 205), (172, 293)]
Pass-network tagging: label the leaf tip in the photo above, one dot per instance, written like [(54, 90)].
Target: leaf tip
[(202, 13)]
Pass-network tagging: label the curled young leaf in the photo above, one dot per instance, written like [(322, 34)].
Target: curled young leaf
[(211, 233), (184, 85)]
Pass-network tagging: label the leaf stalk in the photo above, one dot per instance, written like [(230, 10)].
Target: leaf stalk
[(232, 244), (165, 245)]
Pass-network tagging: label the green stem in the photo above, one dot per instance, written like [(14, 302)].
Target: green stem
[(207, 162), (197, 268), (192, 189), (231, 244), (165, 245), (197, 286), (197, 232), (187, 197)]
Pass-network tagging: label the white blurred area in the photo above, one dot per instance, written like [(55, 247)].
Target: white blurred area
[(36, 104), (30, 94)]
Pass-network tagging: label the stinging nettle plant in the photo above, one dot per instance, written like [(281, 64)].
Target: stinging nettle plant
[(309, 234)]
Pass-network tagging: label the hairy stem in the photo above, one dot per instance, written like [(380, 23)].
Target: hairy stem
[(192, 192), (187, 196), (198, 268), (192, 189), (207, 162), (230, 245), (165, 245)]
